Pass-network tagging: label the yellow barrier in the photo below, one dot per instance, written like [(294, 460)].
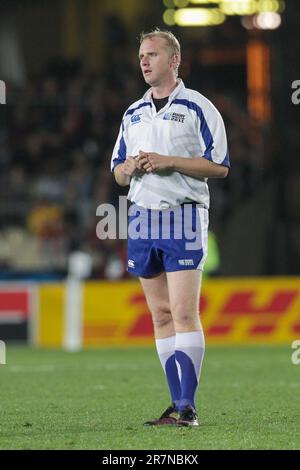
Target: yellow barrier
[(50, 324), (233, 311)]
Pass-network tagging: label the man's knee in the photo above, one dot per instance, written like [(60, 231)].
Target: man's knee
[(161, 316), (184, 316)]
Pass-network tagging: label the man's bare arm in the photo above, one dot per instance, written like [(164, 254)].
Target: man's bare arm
[(124, 171), (198, 167)]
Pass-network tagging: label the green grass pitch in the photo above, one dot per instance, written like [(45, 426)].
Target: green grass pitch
[(99, 399)]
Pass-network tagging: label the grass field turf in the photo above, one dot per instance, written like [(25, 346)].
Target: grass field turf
[(99, 399)]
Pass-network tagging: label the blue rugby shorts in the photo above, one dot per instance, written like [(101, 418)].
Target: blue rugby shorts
[(167, 240)]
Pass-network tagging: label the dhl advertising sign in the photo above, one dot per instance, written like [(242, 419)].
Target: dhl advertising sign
[(17, 311), (233, 311)]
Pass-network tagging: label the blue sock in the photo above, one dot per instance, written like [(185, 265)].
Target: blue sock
[(166, 352), (189, 354)]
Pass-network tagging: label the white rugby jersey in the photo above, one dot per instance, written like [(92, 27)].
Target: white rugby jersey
[(188, 126)]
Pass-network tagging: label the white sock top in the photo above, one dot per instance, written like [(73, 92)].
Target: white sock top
[(166, 344), (190, 339)]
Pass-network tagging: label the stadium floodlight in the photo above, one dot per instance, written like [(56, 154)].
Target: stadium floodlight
[(168, 17), (169, 3), (268, 6), (268, 20), (247, 22), (199, 17), (201, 2), (241, 8), (181, 3), (214, 12)]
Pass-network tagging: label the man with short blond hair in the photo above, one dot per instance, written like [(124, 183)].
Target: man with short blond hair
[(172, 42), (169, 143)]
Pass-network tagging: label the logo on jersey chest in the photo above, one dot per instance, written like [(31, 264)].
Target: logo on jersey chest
[(135, 119), (174, 117)]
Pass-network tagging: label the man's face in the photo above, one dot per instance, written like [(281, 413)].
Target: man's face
[(155, 61)]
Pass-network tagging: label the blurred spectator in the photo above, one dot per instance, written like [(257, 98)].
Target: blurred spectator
[(46, 222)]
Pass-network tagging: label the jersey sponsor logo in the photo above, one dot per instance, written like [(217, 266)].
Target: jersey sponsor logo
[(131, 263), (174, 117), (136, 118), (186, 262)]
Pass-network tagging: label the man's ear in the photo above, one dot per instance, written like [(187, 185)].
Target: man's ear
[(176, 59)]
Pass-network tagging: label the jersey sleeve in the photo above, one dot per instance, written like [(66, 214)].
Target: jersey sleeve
[(213, 136), (120, 149)]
